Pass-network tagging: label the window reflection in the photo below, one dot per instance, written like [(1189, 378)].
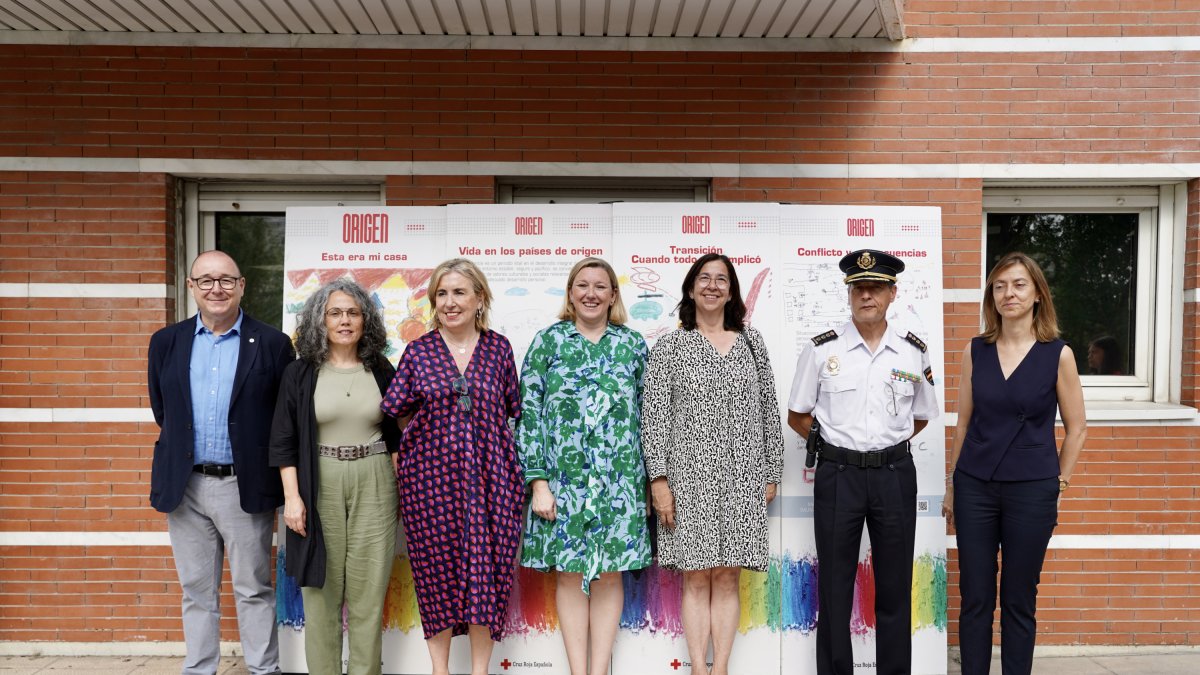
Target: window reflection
[(255, 240), (1090, 261)]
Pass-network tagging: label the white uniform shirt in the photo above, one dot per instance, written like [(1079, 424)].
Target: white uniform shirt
[(864, 401)]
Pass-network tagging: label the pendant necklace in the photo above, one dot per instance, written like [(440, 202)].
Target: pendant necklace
[(461, 348), (351, 378)]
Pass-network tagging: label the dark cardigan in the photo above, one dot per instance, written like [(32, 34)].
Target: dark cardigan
[(294, 443)]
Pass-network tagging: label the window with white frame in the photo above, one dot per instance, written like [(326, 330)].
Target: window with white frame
[(1113, 259), (247, 221)]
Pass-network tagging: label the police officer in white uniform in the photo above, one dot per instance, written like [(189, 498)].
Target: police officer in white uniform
[(870, 387)]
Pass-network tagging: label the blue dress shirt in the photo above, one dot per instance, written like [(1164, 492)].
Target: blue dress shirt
[(214, 363)]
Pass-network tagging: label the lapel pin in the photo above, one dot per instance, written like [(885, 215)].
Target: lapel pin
[(252, 339)]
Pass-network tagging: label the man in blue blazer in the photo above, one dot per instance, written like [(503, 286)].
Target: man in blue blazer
[(213, 380)]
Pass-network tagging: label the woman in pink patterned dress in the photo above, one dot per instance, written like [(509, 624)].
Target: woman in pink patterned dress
[(461, 488)]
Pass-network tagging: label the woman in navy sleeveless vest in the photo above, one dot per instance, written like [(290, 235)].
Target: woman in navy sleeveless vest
[(1007, 470)]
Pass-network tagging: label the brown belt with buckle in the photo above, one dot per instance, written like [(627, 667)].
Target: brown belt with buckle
[(349, 452)]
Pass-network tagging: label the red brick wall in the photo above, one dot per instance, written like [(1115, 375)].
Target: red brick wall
[(439, 190), (94, 594), (77, 227), (1116, 597), (1191, 282), (67, 477), (539, 106), (81, 228), (479, 106), (1050, 18)]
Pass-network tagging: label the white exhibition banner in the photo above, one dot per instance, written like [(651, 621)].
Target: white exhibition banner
[(786, 258), (526, 252), (655, 245)]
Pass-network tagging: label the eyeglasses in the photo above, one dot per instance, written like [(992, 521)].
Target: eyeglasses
[(891, 406), (459, 387), (709, 280), (337, 312), (206, 283)]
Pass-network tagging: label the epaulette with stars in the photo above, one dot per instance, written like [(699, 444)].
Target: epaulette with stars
[(821, 339), (916, 342)]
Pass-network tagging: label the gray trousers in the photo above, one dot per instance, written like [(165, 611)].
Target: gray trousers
[(208, 523)]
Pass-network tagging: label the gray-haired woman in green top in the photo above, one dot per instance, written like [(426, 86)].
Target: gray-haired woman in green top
[(335, 451)]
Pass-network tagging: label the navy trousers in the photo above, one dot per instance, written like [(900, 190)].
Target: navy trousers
[(885, 498), (1017, 519)]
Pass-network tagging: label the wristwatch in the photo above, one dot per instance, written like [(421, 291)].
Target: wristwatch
[(1063, 485)]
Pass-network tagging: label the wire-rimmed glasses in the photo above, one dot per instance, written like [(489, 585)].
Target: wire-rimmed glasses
[(718, 281), (337, 312)]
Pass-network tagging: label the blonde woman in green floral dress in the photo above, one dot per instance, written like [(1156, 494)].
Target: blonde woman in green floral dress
[(579, 441)]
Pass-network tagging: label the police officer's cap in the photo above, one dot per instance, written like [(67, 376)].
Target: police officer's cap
[(870, 265)]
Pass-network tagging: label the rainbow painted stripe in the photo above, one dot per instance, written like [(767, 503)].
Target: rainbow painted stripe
[(784, 598)]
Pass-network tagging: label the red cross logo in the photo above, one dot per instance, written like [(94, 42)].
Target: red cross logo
[(675, 664), (505, 664)]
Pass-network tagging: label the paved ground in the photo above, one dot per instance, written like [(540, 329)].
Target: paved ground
[(1142, 663), (105, 665), (1119, 664)]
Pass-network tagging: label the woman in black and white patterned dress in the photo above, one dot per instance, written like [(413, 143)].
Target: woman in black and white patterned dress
[(713, 444)]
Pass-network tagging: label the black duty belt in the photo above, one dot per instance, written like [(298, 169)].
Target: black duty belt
[(220, 470), (873, 459)]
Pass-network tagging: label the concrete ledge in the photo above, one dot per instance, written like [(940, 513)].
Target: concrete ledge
[(10, 648)]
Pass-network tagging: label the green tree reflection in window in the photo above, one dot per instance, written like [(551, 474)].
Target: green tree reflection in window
[(255, 240), (1090, 261)]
